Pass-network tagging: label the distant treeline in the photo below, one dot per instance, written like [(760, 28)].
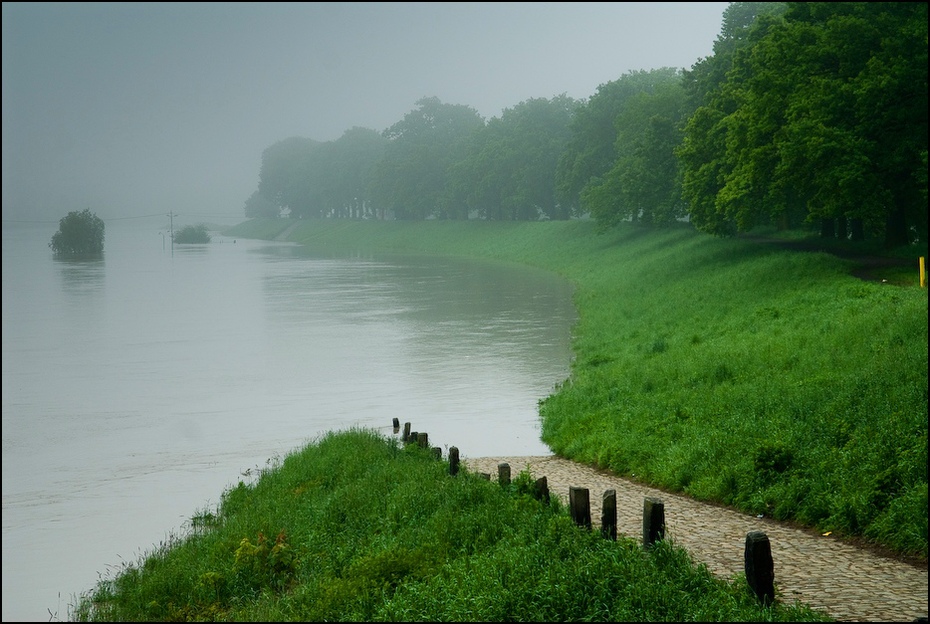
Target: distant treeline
[(806, 113)]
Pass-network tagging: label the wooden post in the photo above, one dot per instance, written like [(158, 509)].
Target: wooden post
[(609, 515), (406, 435), (423, 440), (580, 504), (541, 490), (485, 475), (653, 520), (437, 452), (396, 425), (760, 569), (412, 438), (503, 474), (453, 460)]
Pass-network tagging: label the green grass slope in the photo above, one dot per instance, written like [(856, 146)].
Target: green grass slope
[(771, 380), (356, 527)]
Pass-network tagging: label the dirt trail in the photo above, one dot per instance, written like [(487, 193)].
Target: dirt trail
[(847, 582)]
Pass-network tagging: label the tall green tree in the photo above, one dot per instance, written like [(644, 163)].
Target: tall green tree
[(79, 234), (703, 156), (854, 121), (591, 149), (291, 176), (351, 165), (643, 184), (508, 168), (411, 180), (823, 115), (259, 206)]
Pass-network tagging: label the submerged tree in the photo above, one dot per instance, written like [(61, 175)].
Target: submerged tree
[(79, 234), (192, 234)]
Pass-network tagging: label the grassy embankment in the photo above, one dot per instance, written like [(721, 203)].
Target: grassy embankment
[(770, 380), (355, 528)]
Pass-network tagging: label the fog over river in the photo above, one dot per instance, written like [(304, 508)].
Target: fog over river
[(138, 387)]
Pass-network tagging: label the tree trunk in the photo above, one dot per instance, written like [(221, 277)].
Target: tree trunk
[(842, 231), (858, 229), (896, 229)]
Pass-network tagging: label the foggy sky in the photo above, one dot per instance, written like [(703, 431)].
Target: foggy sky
[(134, 109)]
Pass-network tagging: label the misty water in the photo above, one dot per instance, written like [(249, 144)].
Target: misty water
[(137, 388)]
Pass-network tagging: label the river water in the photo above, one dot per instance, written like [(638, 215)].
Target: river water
[(137, 388)]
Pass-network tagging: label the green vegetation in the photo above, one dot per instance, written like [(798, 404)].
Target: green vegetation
[(192, 235), (806, 113), (354, 527), (735, 371), (80, 234)]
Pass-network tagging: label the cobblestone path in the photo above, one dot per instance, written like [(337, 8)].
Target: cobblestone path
[(846, 582)]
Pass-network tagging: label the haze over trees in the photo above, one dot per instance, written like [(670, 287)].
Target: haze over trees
[(192, 235), (79, 234), (806, 115)]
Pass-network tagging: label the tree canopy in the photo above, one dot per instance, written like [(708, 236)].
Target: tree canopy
[(822, 117), (642, 185), (79, 234), (192, 235), (507, 170), (806, 114), (411, 181)]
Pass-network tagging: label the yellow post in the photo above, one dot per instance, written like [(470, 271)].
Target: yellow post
[(923, 273)]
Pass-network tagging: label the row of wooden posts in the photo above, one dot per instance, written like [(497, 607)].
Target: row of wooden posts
[(758, 563)]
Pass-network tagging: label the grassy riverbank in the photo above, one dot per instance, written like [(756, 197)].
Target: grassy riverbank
[(356, 527), (736, 371)]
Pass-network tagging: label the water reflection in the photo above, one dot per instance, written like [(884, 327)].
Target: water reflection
[(192, 250), (81, 276)]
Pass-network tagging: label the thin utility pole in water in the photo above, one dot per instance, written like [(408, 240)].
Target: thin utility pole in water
[(171, 229)]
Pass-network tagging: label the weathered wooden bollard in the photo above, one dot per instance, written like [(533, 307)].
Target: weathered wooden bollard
[(503, 474), (437, 452), (423, 440), (609, 515), (406, 435), (760, 569), (396, 425), (580, 504), (653, 521), (485, 475), (412, 438), (541, 490), (453, 460)]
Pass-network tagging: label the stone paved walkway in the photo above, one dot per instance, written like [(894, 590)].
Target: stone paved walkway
[(846, 582)]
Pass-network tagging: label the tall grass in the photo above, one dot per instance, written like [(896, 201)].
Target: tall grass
[(357, 527), (734, 371)]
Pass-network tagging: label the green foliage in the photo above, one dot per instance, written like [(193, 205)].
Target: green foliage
[(508, 168), (412, 180), (592, 147), (806, 113), (643, 184), (192, 234), (261, 565), (370, 531), (822, 117), (257, 206), (79, 234)]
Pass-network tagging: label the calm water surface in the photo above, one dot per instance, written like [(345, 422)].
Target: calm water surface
[(138, 387)]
